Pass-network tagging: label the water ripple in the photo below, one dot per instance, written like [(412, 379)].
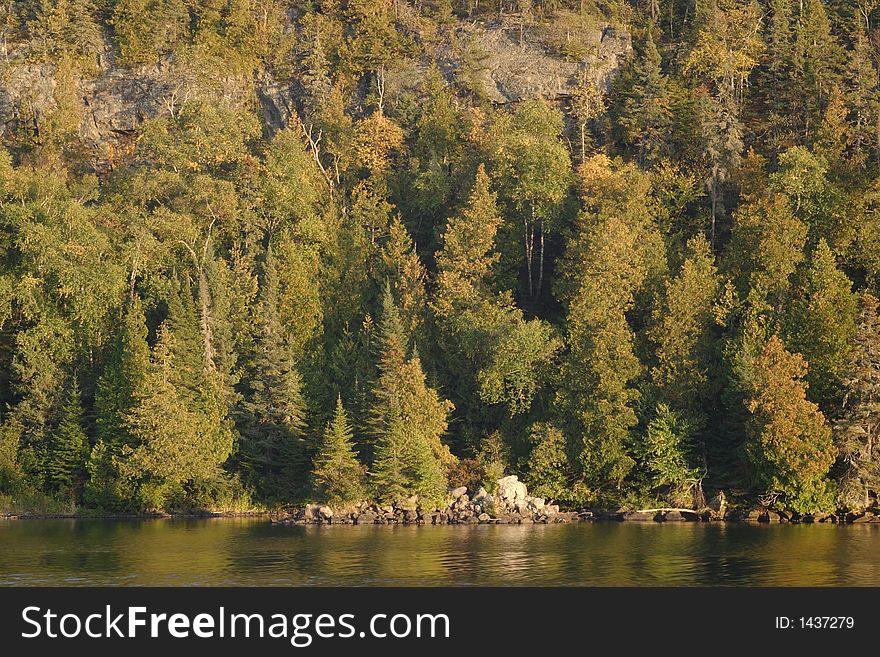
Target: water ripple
[(253, 552)]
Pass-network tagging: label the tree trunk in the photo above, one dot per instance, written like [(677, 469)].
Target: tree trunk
[(878, 138), (529, 244), (714, 203), (583, 141), (540, 257), (205, 319)]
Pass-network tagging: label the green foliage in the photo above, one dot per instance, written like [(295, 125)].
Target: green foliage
[(388, 475), (548, 471), (12, 477), (823, 325), (683, 323), (148, 29), (532, 168), (173, 444), (606, 265), (642, 109), (667, 455), (200, 135), (408, 418), (855, 429), (271, 414), (493, 460), (373, 40), (790, 443), (519, 363), (768, 244), (337, 476), (472, 314), (124, 375), (212, 281), (69, 448), (64, 27), (596, 395)]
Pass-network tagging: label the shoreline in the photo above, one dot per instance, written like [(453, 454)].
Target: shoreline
[(754, 516), (134, 516), (592, 516), (510, 505)]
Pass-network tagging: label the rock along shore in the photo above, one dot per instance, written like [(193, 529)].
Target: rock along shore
[(512, 505)]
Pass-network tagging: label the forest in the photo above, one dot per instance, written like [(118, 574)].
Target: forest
[(645, 290)]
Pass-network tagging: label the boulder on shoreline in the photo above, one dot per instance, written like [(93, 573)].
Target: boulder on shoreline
[(511, 504)]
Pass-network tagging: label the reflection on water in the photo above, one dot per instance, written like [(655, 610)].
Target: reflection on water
[(253, 552)]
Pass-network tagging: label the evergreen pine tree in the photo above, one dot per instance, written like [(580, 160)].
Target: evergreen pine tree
[(271, 415), (818, 61), (465, 262), (822, 324), (667, 455), (863, 96), (596, 395), (69, 446), (337, 475), (858, 419), (548, 470), (388, 474), (194, 377), (683, 322), (643, 110), (169, 446), (408, 417), (115, 396)]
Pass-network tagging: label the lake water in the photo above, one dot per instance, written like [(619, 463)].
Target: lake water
[(229, 551)]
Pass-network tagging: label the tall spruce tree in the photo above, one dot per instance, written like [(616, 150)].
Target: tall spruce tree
[(170, 448), (858, 418), (271, 416), (69, 447), (863, 96), (643, 105), (408, 417), (821, 325), (115, 396), (337, 476), (596, 394), (388, 475)]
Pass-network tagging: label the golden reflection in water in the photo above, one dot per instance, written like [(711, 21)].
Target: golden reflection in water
[(253, 552)]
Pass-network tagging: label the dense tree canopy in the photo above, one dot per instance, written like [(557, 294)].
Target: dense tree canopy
[(323, 264)]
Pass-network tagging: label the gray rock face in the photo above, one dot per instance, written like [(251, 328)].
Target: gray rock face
[(511, 70), (639, 516), (510, 489), (116, 101), (114, 104), (518, 507), (276, 104)]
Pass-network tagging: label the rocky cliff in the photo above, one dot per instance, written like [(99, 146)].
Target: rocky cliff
[(510, 66)]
